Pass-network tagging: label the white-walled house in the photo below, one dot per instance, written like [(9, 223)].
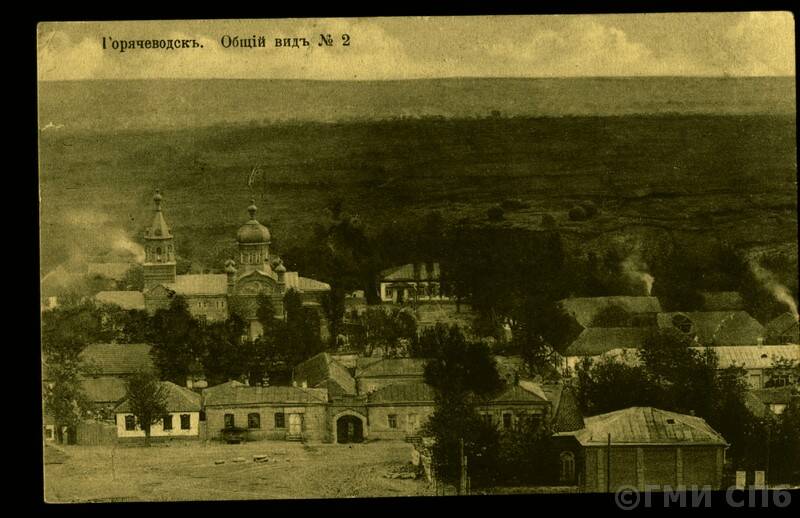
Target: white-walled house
[(181, 421)]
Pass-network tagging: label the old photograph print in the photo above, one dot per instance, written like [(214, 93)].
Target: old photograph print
[(418, 256)]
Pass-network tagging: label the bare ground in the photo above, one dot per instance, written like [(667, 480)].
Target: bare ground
[(188, 471)]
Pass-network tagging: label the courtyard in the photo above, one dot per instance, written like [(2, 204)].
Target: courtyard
[(213, 471)]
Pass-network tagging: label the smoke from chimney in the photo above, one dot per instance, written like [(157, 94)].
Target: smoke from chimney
[(635, 270), (778, 290)]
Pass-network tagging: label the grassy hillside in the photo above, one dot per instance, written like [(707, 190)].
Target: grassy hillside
[(686, 175)]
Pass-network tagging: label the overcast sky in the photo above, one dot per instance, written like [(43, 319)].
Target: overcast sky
[(703, 44)]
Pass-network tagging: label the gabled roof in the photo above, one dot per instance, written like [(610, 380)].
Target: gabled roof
[(566, 412), (753, 356), (785, 323), (598, 340), (387, 367), (239, 394), (124, 299), (412, 392), (308, 284), (115, 271), (585, 309), (646, 426), (407, 272), (200, 284), (322, 371), (722, 300), (718, 327), (114, 359), (179, 399), (522, 391), (104, 390)]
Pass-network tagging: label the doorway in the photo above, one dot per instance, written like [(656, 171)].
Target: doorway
[(349, 429), (295, 424)]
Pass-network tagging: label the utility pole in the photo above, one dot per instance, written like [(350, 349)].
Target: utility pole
[(462, 479), (608, 465)]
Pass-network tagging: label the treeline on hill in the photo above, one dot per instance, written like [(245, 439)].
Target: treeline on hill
[(513, 276)]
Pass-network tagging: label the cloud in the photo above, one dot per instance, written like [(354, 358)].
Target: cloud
[(744, 44)]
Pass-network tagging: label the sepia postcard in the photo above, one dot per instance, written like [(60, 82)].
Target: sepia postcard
[(420, 256)]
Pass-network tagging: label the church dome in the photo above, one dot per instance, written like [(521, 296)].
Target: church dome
[(252, 232)]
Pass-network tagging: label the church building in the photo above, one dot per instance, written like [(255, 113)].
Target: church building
[(211, 296)]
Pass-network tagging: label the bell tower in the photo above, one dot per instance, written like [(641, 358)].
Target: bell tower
[(159, 262)]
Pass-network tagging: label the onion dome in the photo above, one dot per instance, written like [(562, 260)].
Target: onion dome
[(253, 232), (280, 268)]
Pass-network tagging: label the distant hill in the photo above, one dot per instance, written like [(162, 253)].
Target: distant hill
[(164, 104)]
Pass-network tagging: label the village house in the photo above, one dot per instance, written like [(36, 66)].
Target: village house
[(632, 311), (643, 447), (107, 368), (597, 341), (323, 371), (210, 295), (374, 373), (412, 282), (783, 329), (398, 411), (714, 327), (757, 360), (771, 401), (182, 420), (277, 413)]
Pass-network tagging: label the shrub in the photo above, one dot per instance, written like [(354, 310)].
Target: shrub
[(495, 213), (548, 221), (577, 213), (590, 207)]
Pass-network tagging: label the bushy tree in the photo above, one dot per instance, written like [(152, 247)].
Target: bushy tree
[(177, 341), (147, 399), (463, 374)]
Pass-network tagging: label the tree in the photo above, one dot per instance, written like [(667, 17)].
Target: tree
[(462, 375), (577, 213), (226, 355), (495, 213), (783, 372), (177, 341), (147, 399), (302, 331), (66, 331)]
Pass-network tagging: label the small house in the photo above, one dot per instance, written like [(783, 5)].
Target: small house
[(182, 419), (277, 413), (644, 447)]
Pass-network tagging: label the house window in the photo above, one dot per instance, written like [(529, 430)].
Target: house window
[(229, 421), (48, 433), (487, 418), (567, 466), (507, 421), (130, 423), (280, 420), (254, 420), (167, 419), (392, 421), (186, 422)]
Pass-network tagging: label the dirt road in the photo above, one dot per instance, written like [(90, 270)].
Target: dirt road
[(194, 471)]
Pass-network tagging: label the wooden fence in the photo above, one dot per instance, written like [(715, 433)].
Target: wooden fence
[(96, 433)]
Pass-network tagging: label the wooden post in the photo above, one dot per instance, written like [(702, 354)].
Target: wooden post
[(463, 471), (608, 465)]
